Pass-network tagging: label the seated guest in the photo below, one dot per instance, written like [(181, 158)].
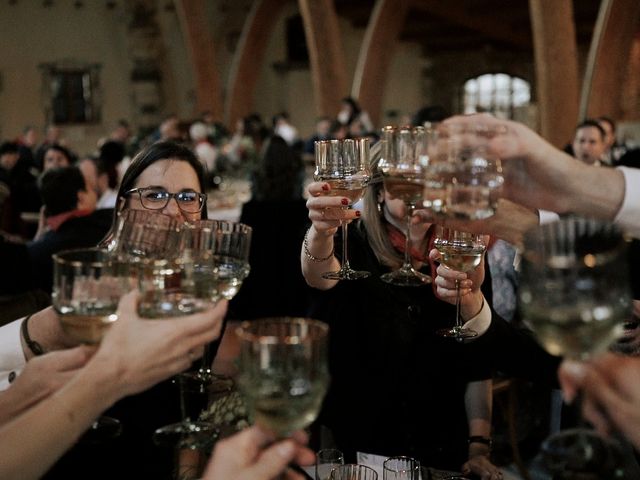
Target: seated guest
[(589, 142), (70, 221), (97, 178), (56, 156)]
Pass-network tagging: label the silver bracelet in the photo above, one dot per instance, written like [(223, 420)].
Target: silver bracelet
[(309, 255)]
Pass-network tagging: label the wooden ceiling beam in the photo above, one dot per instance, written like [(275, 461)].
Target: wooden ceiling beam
[(457, 13), (200, 46)]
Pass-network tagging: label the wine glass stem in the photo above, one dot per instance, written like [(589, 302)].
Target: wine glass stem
[(407, 240), (205, 363), (345, 259), (458, 319)]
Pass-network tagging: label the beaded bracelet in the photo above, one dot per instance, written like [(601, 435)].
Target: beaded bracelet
[(309, 255)]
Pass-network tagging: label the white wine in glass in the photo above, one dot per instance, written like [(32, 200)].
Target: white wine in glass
[(343, 164), (574, 294), (461, 251), (283, 371)]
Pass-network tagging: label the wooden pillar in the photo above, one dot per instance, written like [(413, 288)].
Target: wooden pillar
[(608, 58), (376, 54), (631, 90), (199, 42), (554, 42), (248, 59), (324, 42)]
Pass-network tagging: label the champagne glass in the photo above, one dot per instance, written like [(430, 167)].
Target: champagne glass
[(352, 471), (86, 292), (574, 294), (216, 256), (461, 251), (344, 165), (401, 468), (326, 460), (283, 371), (401, 168)]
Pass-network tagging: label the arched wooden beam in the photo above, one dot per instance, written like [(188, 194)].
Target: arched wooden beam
[(248, 58), (608, 58), (324, 42), (376, 54), (555, 50), (200, 46)]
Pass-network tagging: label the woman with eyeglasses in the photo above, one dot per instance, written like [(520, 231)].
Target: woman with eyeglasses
[(168, 178)]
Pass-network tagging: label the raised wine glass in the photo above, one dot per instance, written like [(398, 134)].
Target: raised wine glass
[(401, 167), (344, 165), (86, 292), (283, 371), (463, 177), (574, 294), (217, 255), (461, 251)]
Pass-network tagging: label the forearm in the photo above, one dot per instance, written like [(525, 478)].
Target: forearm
[(478, 402), (320, 247), (37, 438), (44, 328), (595, 192)]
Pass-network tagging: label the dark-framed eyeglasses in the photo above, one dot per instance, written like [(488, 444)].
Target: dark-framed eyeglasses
[(153, 198)]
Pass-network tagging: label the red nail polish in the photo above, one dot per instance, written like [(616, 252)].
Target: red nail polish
[(345, 201), (325, 187), (358, 213)]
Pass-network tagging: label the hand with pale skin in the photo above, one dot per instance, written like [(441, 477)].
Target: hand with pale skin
[(253, 454), (41, 377), (538, 175), (610, 385), (326, 213), (481, 466), (471, 298)]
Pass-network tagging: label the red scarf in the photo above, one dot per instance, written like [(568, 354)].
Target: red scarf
[(54, 222), (398, 240)]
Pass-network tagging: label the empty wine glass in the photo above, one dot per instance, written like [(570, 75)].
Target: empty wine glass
[(574, 294), (461, 251), (401, 167), (86, 292), (326, 460), (344, 165), (401, 468), (353, 471), (283, 371)]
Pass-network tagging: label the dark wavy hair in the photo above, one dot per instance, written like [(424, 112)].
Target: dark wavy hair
[(151, 154)]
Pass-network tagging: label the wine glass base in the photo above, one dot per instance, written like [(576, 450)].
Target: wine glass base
[(458, 333), (186, 435), (346, 275), (581, 452), (104, 428), (408, 277)]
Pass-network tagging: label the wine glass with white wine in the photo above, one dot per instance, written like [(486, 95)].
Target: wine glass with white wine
[(86, 292), (574, 294), (461, 251), (283, 371), (344, 165), (400, 164)]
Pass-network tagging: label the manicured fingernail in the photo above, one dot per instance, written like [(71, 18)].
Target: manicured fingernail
[(325, 187), (358, 213), (345, 201)]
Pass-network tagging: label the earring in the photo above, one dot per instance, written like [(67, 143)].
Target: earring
[(380, 208)]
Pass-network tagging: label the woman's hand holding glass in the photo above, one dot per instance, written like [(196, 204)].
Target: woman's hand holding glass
[(327, 212), (471, 297)]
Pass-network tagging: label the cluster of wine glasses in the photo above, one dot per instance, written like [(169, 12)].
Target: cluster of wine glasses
[(330, 466), (179, 269)]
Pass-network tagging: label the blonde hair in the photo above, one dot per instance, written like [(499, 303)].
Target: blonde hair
[(373, 220)]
